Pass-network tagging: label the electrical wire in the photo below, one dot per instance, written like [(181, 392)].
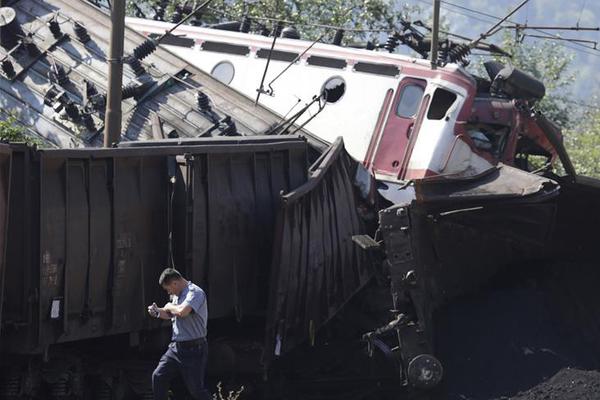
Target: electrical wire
[(514, 22), (571, 45)]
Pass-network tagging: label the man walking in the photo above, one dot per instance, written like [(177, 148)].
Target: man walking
[(187, 353)]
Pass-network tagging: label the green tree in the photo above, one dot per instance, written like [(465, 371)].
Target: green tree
[(11, 131), (548, 62), (355, 15), (583, 143)]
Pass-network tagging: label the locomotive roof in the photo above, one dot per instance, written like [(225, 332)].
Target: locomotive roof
[(55, 72)]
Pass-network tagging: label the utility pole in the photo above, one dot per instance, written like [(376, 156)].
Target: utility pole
[(112, 121), (435, 32)]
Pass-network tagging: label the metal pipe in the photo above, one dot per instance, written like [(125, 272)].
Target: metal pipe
[(435, 32), (112, 122)]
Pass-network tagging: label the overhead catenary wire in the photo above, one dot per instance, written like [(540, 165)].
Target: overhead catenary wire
[(300, 23), (573, 46)]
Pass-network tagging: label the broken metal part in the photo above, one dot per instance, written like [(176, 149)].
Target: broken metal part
[(81, 32)]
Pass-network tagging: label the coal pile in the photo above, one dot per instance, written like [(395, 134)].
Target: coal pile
[(567, 384), (517, 338)]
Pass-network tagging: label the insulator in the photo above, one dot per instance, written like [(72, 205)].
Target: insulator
[(81, 32), (8, 68), (459, 53), (339, 35), (129, 91), (391, 43), (136, 66), (290, 33), (30, 45), (145, 49), (88, 122), (90, 88), (177, 15), (277, 28), (148, 395), (58, 75), (245, 25), (135, 90), (99, 102), (54, 27), (230, 129), (50, 95), (10, 387), (72, 111), (203, 101), (102, 391), (60, 388), (263, 31), (159, 13)]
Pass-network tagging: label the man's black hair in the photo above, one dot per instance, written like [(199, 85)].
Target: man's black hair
[(168, 276)]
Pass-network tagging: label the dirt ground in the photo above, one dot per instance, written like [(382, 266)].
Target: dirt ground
[(520, 338)]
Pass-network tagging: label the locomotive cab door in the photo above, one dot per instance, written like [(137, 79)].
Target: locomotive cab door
[(392, 146)]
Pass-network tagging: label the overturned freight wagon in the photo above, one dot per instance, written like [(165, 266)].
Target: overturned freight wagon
[(88, 231)]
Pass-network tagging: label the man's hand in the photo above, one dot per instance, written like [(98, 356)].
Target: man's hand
[(157, 312), (153, 310)]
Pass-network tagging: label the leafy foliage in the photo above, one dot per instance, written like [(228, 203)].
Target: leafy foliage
[(583, 143), (366, 17), (10, 131)]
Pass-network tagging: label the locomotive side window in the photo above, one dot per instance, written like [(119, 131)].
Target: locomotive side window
[(409, 101), (224, 72), (440, 104)]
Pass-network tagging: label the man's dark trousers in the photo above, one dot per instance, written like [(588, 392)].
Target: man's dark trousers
[(187, 360)]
